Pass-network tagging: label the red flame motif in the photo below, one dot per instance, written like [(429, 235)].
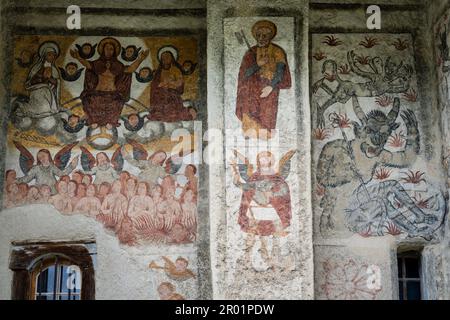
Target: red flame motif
[(319, 56), (414, 177), (397, 140), (382, 174), (400, 44), (384, 101), (321, 134), (332, 41), (369, 42), (344, 69), (393, 230), (410, 96)]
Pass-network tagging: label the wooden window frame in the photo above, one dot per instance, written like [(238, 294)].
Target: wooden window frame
[(25, 263)]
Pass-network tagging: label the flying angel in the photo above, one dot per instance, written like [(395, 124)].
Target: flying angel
[(264, 188), (177, 270)]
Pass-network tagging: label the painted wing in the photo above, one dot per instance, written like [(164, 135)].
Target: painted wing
[(284, 166), (87, 159), (63, 73), (117, 160), (63, 156), (168, 263), (139, 152), (26, 159), (78, 74), (243, 171)]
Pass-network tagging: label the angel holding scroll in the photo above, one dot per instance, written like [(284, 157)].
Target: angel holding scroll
[(265, 208)]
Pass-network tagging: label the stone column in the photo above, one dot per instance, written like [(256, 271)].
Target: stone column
[(251, 260)]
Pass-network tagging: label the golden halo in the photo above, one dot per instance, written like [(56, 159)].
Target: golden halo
[(264, 24), (114, 42)]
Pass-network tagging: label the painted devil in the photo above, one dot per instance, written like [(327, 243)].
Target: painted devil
[(381, 77), (343, 161)]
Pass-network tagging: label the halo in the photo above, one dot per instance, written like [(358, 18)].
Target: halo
[(264, 24), (171, 49), (48, 45), (112, 41)]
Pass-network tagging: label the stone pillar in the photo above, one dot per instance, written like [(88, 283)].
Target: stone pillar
[(269, 255)]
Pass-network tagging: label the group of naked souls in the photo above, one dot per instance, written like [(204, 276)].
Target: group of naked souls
[(158, 204)]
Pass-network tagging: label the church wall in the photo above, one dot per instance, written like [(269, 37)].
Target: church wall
[(291, 257), (129, 263), (248, 262), (374, 252), (437, 21)]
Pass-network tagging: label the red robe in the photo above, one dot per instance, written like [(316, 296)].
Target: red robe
[(103, 107), (166, 103), (262, 110), (281, 204)]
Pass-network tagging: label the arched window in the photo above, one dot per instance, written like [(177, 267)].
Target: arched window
[(57, 278), (53, 271)]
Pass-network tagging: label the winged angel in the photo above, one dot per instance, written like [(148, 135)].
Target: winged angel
[(104, 169), (265, 208), (45, 171), (177, 270)]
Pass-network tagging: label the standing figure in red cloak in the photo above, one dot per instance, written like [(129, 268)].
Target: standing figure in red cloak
[(166, 103), (264, 71), (265, 208), (107, 84)]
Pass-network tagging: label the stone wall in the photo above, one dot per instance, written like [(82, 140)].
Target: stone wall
[(126, 265), (351, 182)]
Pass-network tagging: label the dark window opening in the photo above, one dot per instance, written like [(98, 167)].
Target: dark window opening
[(53, 271), (59, 282), (409, 279)]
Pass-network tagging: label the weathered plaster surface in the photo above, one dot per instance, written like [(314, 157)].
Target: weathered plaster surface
[(122, 272)]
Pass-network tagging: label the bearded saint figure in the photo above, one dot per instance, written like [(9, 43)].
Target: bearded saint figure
[(264, 71)]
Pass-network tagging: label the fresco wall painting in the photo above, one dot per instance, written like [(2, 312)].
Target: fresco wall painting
[(91, 130)]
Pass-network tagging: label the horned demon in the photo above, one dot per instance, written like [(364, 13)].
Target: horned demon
[(374, 204), (383, 77)]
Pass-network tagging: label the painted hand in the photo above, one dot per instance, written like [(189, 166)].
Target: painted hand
[(75, 54), (144, 54), (266, 92), (263, 61)]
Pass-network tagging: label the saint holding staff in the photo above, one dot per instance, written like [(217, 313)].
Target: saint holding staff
[(263, 73)]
